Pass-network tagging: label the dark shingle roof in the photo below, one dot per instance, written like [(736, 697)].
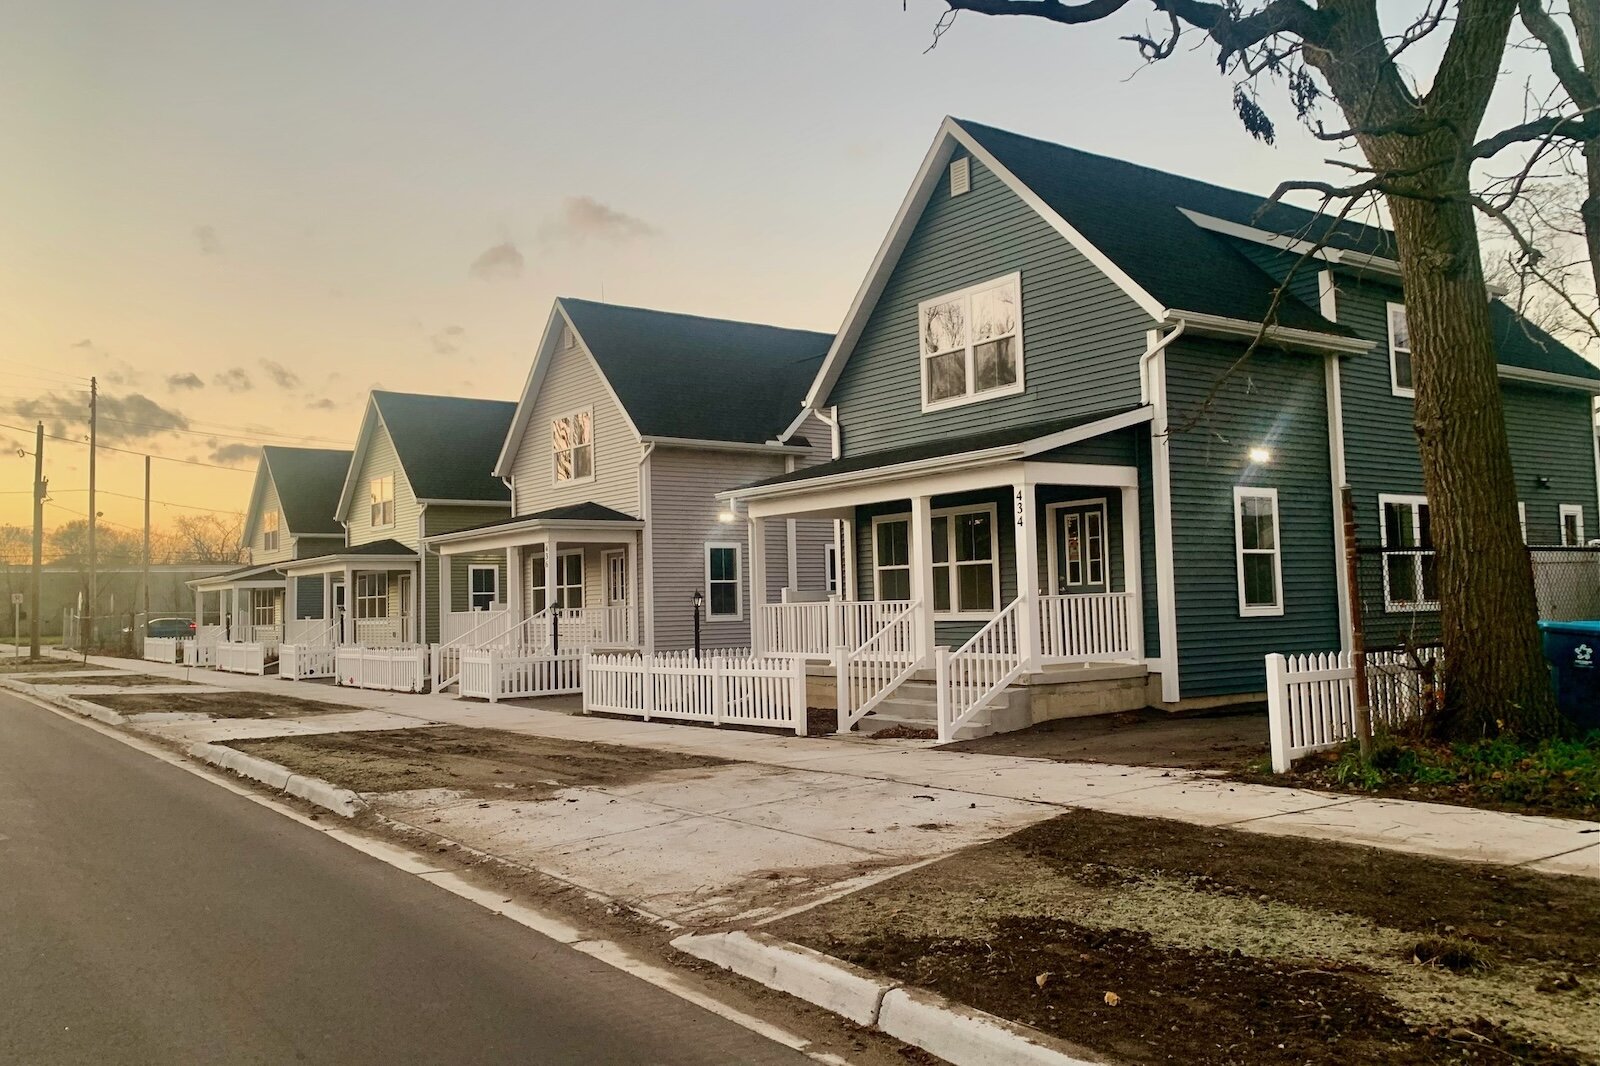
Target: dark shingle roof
[(376, 547), (308, 481), (448, 445), (700, 378), (1519, 342), (941, 447), (574, 512)]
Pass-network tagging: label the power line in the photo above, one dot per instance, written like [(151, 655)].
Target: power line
[(257, 439), (129, 451)]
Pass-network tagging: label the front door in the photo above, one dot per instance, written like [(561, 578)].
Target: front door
[(1079, 560), (616, 564)]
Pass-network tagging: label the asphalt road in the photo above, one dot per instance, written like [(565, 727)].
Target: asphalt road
[(148, 916)]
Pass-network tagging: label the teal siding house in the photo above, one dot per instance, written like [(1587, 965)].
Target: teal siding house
[(1053, 472)]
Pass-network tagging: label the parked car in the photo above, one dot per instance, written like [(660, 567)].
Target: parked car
[(170, 627)]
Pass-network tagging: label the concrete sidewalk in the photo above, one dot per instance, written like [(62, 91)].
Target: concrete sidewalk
[(1551, 845)]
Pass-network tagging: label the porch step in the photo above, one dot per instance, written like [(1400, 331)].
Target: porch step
[(915, 705), (877, 723)]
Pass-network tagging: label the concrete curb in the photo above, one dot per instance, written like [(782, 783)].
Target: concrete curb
[(340, 801), (961, 1035), (44, 694)]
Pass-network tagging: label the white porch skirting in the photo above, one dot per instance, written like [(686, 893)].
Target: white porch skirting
[(237, 657), (390, 669), (301, 662), (722, 691)]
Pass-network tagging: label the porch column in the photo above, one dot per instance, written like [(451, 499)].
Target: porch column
[(236, 623), (514, 578), (758, 584), (845, 532), (1027, 531), (291, 603), (630, 561), (550, 571), (1133, 570), (922, 574), (199, 610), (327, 601), (348, 626), (445, 601)]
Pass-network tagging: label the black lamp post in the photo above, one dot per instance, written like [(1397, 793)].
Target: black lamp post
[(699, 602)]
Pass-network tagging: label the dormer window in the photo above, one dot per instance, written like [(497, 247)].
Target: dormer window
[(971, 344), (270, 522), (380, 493), (1400, 352)]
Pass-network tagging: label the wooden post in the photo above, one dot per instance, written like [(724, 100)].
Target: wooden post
[(1358, 659)]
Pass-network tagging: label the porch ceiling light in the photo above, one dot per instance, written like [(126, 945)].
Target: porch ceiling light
[(726, 517), (1260, 456)]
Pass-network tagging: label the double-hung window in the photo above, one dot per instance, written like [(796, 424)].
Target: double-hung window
[(270, 523), (1410, 566), (723, 595), (380, 491), (891, 558), (830, 568), (971, 343), (1259, 551), (1572, 524), (572, 446), (966, 573), (569, 580), (483, 587), (1400, 382), (372, 594)]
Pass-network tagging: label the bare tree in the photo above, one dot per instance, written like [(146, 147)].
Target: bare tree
[(1417, 149), (206, 538)]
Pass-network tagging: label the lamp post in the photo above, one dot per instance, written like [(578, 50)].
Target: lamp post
[(699, 601)]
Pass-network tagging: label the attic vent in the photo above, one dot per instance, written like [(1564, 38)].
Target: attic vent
[(960, 176)]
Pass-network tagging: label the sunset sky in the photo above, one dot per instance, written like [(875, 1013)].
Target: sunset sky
[(243, 216)]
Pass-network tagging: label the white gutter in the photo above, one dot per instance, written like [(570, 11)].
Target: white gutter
[(726, 445), (1150, 353), (1240, 327), (898, 470), (830, 418), (647, 561), (1545, 377)]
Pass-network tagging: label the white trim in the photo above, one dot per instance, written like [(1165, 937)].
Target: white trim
[(572, 416), (1334, 396), (1247, 609), (929, 177), (1545, 377), (554, 580), (972, 394), (1390, 604), (390, 524), (1136, 417), (606, 557), (1161, 505), (961, 176), (472, 570), (1575, 510), (1052, 514), (1408, 391), (953, 586), (1343, 256), (737, 580), (908, 566), (832, 576), (463, 503), (1522, 519), (1286, 336), (358, 456), (770, 447), (1327, 295)]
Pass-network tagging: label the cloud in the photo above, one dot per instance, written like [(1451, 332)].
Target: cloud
[(206, 239), (323, 404), (281, 375), (447, 341), (110, 369), (234, 379), (584, 218), (503, 262), (123, 419), (188, 380), (233, 454)]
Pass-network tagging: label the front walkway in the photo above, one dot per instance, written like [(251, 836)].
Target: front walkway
[(1551, 845)]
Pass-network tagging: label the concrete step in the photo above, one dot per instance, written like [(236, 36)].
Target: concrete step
[(877, 723)]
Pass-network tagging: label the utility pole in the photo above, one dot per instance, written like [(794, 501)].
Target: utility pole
[(143, 606), (94, 580), (39, 487)]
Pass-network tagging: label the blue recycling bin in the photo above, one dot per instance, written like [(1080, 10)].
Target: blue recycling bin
[(1573, 649)]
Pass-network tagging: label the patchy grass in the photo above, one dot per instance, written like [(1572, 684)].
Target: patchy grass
[(485, 762), (1160, 942), (1556, 777), (220, 704), (12, 665), (109, 680)]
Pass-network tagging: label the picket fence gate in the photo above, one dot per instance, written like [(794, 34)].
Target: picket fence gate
[(1311, 699), (716, 688), (301, 662)]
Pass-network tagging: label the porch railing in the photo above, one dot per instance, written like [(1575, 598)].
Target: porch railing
[(1087, 627), (457, 624), (870, 674), (268, 636), (813, 629), (969, 679), (494, 629), (584, 627)]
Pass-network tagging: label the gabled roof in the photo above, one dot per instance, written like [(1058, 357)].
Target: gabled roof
[(1520, 343), (446, 446), (308, 481)]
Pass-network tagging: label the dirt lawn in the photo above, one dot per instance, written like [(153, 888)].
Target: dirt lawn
[(12, 665), (1231, 739), (109, 680), (214, 704), (1160, 942), (484, 762)]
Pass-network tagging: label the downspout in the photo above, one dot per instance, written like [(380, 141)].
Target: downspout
[(830, 418), (1161, 506), (422, 575), (1150, 354), (647, 566)]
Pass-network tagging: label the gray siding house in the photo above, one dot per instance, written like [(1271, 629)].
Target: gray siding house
[(630, 422), (1048, 456), (420, 467)]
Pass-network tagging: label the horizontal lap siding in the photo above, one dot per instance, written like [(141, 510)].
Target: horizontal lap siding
[(1549, 430), (460, 575), (380, 459), (572, 382), (258, 551), (1277, 401), (1082, 336), (439, 519)]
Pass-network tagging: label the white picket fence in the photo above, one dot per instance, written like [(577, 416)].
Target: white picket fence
[(1311, 699), (236, 657), (163, 649), (390, 669), (301, 662), (715, 688), (200, 651), (496, 674)]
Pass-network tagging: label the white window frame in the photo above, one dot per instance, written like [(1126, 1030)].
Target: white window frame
[(377, 501), (1522, 519), (737, 580), (473, 570), (1056, 564), (555, 468), (271, 524), (1408, 391), (563, 586), (1247, 609), (877, 567), (830, 569), (372, 588), (1575, 510), (1391, 604), (951, 513), (970, 396)]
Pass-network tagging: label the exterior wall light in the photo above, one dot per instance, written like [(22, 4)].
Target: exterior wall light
[(1260, 456), (726, 517)]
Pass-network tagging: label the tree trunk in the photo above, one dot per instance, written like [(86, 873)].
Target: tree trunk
[(1496, 678)]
